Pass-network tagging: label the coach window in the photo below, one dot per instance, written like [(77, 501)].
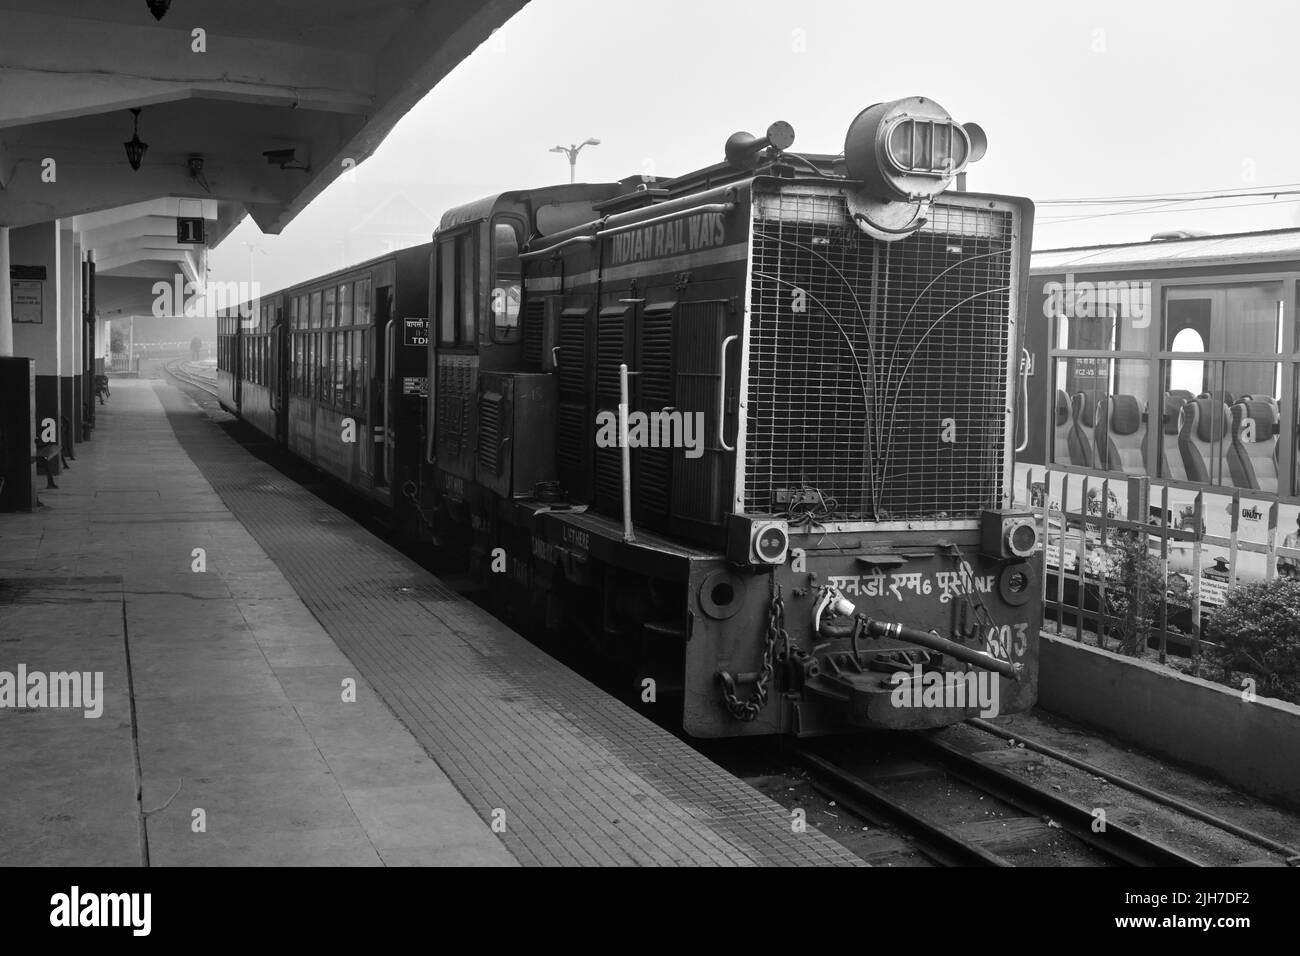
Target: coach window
[(1187, 375), (506, 280), (446, 292), (341, 356), (363, 301), (1101, 416), (1293, 406), (345, 305), (1228, 318), (1105, 317)]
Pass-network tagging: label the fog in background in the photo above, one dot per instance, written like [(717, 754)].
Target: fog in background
[(1078, 100)]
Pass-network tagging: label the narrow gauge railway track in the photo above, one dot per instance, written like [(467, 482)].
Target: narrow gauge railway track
[(1288, 854), (967, 844), (184, 371)]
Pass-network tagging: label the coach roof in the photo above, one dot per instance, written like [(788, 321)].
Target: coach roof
[(1278, 245), (543, 195)]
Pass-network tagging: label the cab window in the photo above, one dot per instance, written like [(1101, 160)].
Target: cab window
[(506, 280), (457, 311)]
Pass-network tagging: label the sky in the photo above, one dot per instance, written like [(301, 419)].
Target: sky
[(1079, 100)]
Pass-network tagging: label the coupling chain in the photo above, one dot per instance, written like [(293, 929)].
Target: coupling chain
[(747, 710), (412, 492)]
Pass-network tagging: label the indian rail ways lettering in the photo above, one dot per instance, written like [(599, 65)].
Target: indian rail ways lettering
[(705, 230)]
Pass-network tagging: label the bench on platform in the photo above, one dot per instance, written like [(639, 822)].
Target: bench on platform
[(67, 440), (51, 455)]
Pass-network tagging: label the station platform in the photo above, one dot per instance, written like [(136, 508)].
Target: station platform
[(230, 733)]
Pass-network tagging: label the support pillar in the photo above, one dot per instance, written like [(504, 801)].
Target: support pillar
[(94, 364), (34, 257), (6, 313), (17, 404), (69, 335)]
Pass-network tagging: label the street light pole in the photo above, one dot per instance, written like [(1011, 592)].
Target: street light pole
[(572, 152)]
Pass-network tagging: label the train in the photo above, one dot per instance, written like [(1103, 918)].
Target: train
[(747, 432), (1167, 368)]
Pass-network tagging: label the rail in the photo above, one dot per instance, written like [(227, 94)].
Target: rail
[(183, 371), (949, 843)]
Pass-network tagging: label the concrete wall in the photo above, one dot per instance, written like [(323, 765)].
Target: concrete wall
[(1253, 745)]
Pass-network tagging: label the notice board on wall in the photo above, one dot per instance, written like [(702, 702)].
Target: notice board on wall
[(28, 300)]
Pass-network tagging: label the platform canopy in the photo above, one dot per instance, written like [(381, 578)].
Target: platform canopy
[(316, 83)]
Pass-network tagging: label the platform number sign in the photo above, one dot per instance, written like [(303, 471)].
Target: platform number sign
[(191, 230)]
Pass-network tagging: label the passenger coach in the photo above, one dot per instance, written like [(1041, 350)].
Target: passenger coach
[(1177, 359), (335, 369)]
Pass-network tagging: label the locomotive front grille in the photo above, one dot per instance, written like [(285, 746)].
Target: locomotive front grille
[(877, 370)]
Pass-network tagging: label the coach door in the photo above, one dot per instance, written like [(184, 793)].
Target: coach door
[(382, 409), (238, 365), (279, 373)]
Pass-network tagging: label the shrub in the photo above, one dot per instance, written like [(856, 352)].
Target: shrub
[(1142, 590), (1258, 630)]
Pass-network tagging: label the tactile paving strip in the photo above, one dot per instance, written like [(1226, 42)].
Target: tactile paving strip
[(582, 778)]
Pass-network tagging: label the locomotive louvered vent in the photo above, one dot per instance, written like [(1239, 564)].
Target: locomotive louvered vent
[(608, 470), (575, 421), (534, 329), (573, 352), (878, 371), (456, 383), (575, 435), (489, 432), (652, 467)]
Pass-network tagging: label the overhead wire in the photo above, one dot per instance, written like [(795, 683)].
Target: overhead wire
[(1162, 207)]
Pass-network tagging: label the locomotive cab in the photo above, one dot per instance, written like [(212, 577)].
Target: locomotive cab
[(492, 401)]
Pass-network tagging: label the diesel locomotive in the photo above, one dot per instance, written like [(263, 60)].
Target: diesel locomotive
[(749, 431)]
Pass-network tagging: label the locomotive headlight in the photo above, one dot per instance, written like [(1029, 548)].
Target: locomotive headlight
[(756, 541), (1008, 534), (771, 542), (931, 147), (905, 152), (1022, 537)]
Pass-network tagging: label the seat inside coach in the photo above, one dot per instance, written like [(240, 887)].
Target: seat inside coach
[(1205, 425), (1063, 425), (1084, 415), (1121, 440), (1252, 453), (1170, 423)]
